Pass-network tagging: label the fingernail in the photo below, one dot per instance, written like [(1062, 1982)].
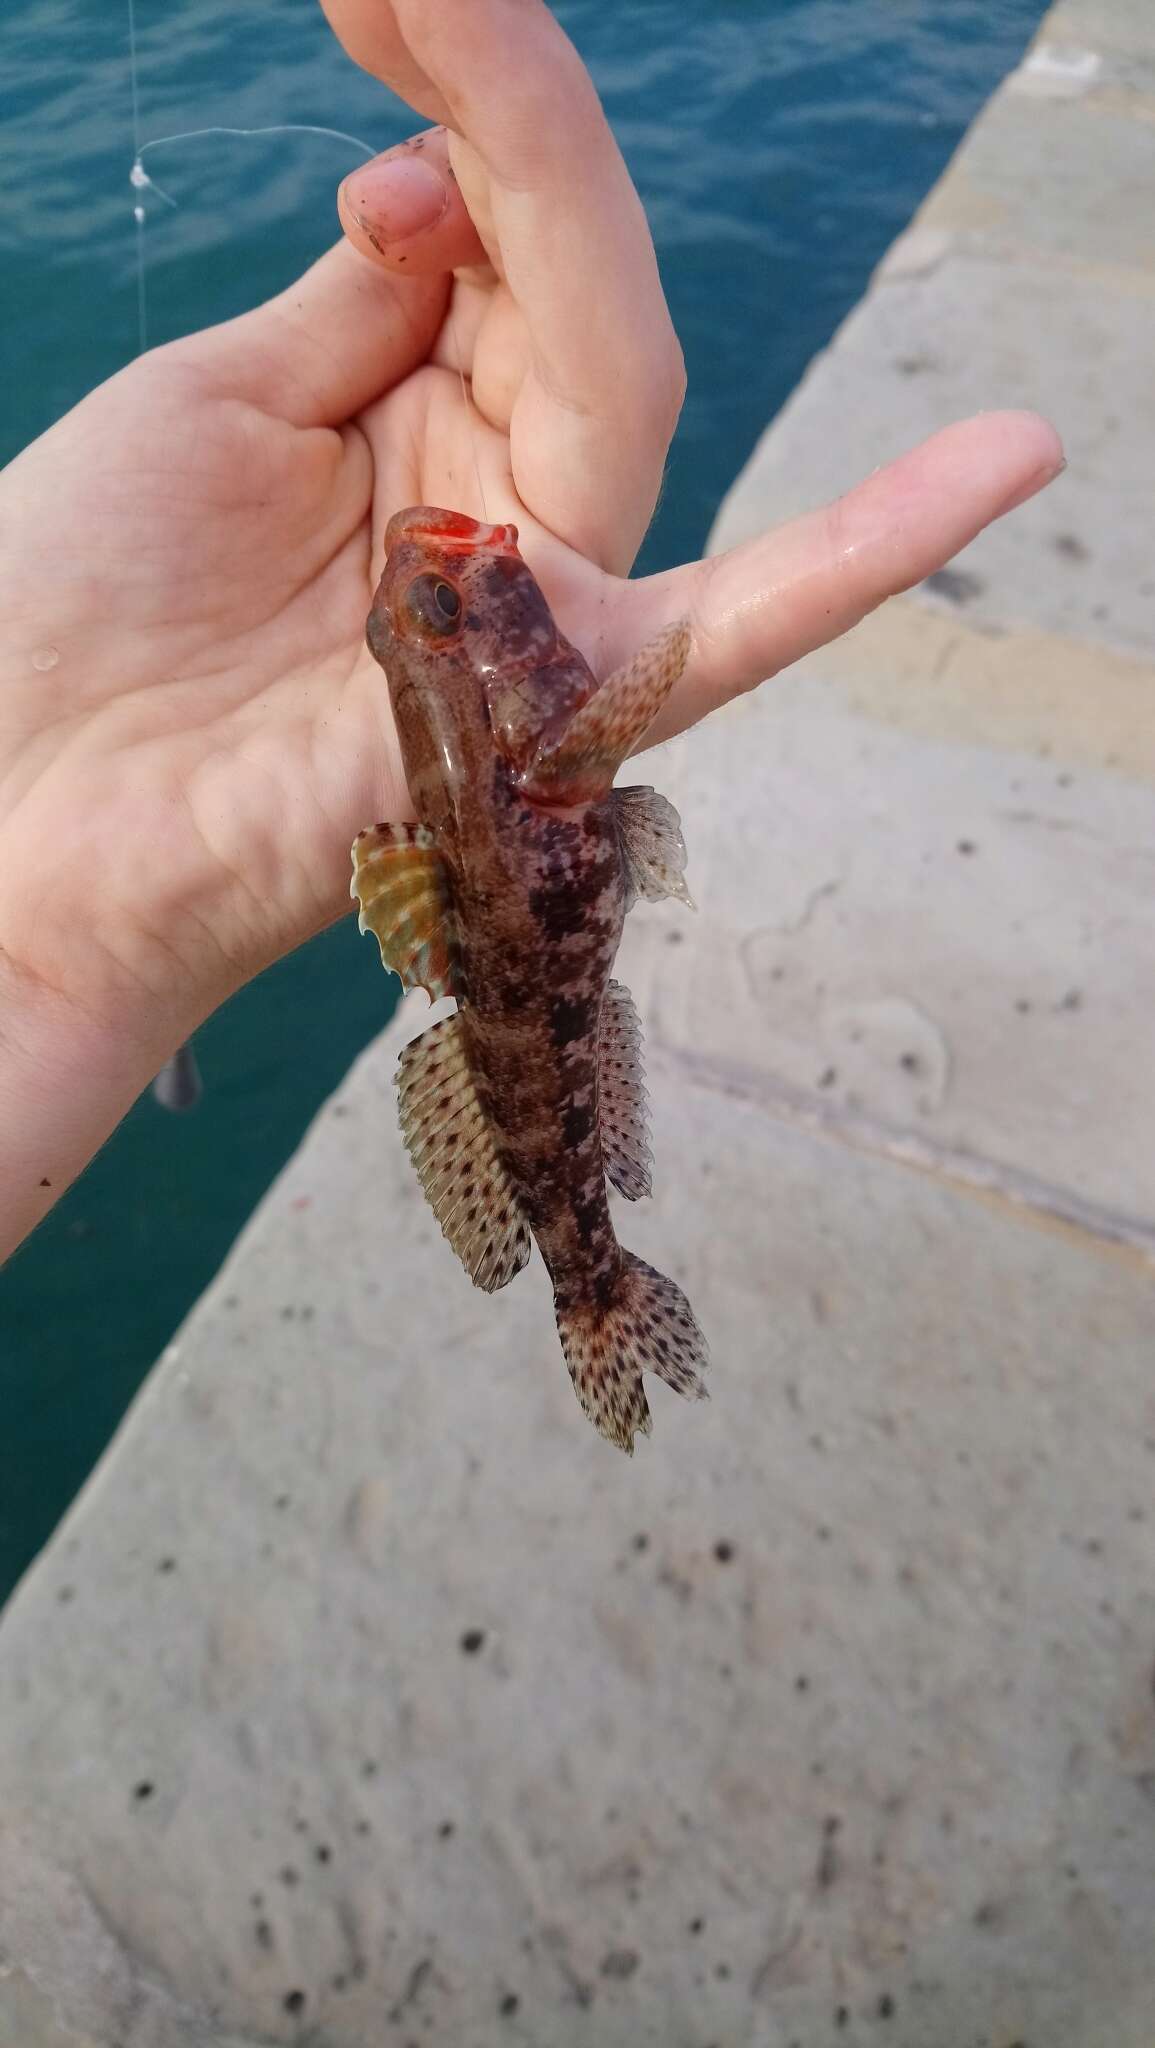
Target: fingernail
[(395, 197), (1036, 483)]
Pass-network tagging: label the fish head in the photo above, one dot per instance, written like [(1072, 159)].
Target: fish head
[(453, 590), (461, 627)]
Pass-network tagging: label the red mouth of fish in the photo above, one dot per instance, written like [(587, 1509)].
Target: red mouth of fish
[(449, 532)]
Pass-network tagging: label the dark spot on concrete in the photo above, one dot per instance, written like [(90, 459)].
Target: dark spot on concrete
[(417, 1976), (508, 2005), (966, 846), (641, 1541), (289, 1876), (472, 1640), (360, 1827), (910, 1063), (675, 938), (1022, 1006), (620, 1963), (264, 1934), (166, 1564), (445, 1830), (144, 1790), (1071, 547), (369, 1768), (323, 1853), (282, 1501), (842, 2016), (65, 1594), (294, 2001), (802, 1683), (721, 1972), (1073, 1000), (886, 2007), (697, 1924), (956, 585), (723, 1550), (828, 1077), (829, 1861)]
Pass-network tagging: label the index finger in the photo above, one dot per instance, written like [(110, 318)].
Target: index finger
[(594, 420)]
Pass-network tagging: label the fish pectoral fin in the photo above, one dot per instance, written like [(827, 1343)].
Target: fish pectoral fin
[(451, 1140), (579, 764), (653, 849), (402, 886), (623, 1112)]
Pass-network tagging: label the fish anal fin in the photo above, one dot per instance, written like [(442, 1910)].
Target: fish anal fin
[(402, 886), (578, 764), (653, 849), (451, 1141), (622, 1109)]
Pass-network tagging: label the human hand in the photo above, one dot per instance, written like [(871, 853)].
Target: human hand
[(191, 730)]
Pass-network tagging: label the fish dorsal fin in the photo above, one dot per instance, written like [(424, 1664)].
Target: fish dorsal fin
[(451, 1141), (578, 765), (653, 849), (622, 1109), (402, 886)]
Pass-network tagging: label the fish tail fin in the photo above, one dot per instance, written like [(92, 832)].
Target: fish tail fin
[(647, 1326)]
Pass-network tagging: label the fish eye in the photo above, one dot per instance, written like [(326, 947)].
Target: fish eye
[(433, 606)]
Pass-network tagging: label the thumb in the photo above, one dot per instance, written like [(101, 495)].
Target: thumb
[(405, 211)]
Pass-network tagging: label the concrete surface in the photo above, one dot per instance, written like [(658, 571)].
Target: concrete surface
[(366, 1697)]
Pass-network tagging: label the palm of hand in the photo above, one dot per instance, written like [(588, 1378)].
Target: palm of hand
[(204, 585)]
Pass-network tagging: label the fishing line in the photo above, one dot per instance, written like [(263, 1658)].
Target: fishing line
[(178, 1085), (466, 400), (140, 180)]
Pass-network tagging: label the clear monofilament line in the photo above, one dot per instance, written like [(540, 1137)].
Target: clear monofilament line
[(455, 331), (277, 128)]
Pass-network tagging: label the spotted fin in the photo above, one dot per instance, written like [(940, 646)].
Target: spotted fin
[(653, 849), (622, 1110), (401, 884), (579, 765), (648, 1326), (451, 1142)]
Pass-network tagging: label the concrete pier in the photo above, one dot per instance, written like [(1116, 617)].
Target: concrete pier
[(366, 1697)]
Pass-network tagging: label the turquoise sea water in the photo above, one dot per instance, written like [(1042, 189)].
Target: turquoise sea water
[(779, 145)]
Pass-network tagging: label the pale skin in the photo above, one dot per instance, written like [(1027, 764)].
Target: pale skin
[(191, 729)]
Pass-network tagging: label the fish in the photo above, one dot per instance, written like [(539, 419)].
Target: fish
[(509, 894)]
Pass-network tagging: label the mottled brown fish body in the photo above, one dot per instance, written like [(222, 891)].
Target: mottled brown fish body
[(524, 1100)]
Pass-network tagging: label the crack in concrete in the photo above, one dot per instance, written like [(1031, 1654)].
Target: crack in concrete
[(972, 1171)]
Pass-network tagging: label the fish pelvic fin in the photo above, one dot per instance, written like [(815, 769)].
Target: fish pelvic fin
[(623, 1112), (402, 886), (648, 1326), (578, 764), (450, 1138), (653, 849)]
